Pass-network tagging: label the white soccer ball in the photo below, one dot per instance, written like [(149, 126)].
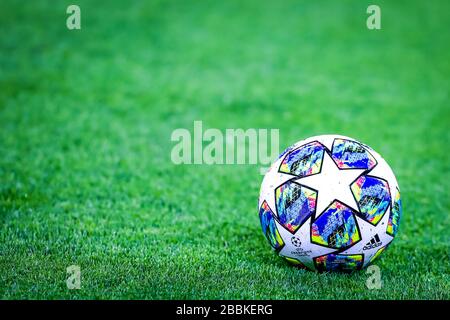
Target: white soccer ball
[(330, 203)]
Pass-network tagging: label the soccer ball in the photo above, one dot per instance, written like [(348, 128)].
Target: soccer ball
[(330, 203)]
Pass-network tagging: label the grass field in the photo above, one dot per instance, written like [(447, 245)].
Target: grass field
[(86, 118)]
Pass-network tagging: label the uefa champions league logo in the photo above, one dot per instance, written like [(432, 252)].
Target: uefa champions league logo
[(299, 251), (296, 242)]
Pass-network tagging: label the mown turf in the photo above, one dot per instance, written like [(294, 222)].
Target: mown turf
[(86, 118)]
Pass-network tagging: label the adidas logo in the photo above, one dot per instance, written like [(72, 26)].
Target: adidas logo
[(373, 243)]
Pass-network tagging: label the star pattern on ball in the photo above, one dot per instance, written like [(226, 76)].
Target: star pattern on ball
[(332, 184), (369, 243), (305, 251), (382, 170), (277, 179)]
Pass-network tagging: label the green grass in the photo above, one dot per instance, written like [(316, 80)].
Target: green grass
[(86, 118)]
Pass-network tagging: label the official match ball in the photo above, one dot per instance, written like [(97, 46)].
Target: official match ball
[(330, 203)]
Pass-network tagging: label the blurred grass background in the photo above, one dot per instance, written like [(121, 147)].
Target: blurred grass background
[(86, 118)]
